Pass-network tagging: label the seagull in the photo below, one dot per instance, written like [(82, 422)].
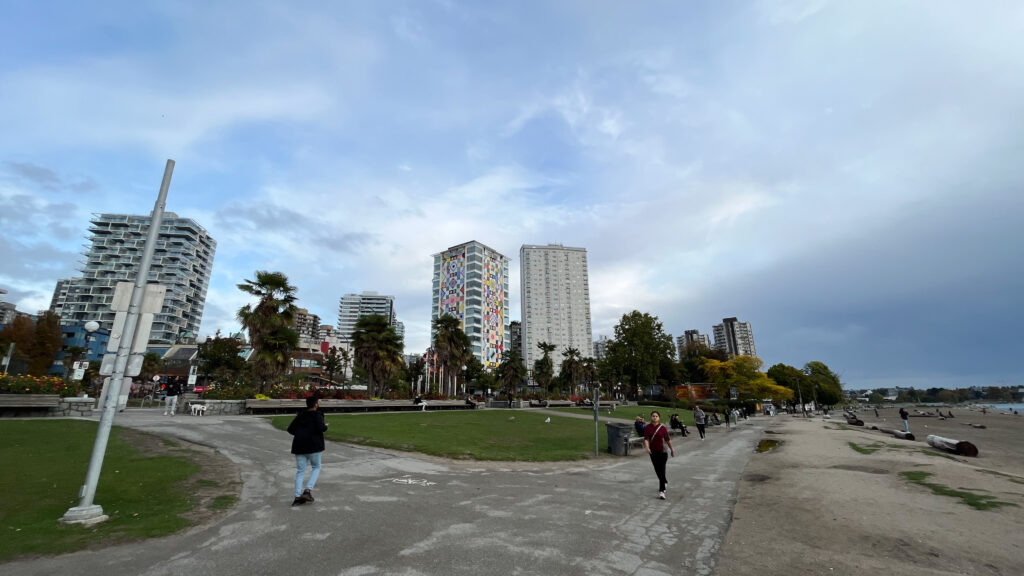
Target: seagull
[(548, 419)]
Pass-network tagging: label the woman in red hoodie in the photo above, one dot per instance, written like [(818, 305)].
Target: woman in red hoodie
[(655, 440)]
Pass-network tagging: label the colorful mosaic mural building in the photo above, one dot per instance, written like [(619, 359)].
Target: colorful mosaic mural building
[(471, 283)]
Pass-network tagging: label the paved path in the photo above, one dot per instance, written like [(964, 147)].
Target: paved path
[(380, 512)]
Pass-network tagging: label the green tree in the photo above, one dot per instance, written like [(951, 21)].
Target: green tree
[(511, 372), (378, 350), (792, 378), (415, 371), (827, 390), (332, 364), (452, 349), (152, 364), (220, 360), (571, 370), (20, 334), (543, 367), (638, 350), (691, 361), (589, 373), (269, 324), (876, 398), (46, 343)]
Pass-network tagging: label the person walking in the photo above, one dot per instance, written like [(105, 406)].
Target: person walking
[(906, 419), (171, 400), (655, 439), (308, 429), (698, 420)]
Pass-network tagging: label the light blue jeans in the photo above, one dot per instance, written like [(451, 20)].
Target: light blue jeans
[(906, 426), (300, 471)]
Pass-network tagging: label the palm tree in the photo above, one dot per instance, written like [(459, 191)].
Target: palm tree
[(589, 372), (451, 348), (378, 350), (511, 372), (572, 368), (543, 367), (269, 324), (346, 361)]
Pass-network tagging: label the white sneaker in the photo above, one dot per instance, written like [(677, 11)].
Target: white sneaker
[(165, 413), (661, 494)]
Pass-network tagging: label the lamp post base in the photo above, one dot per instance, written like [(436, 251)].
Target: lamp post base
[(84, 515)]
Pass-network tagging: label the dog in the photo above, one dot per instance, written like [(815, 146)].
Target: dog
[(198, 409)]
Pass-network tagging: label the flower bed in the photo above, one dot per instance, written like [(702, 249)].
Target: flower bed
[(24, 384)]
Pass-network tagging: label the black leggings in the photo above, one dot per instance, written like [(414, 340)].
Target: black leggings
[(659, 459), (700, 428)]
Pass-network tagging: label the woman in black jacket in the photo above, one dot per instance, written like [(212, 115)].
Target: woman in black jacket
[(308, 429)]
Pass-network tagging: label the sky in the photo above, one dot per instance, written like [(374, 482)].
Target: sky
[(848, 177)]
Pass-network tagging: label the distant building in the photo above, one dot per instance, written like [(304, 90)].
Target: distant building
[(555, 297), (352, 307), (182, 262), (692, 337), (601, 347), (735, 338), (308, 327), (515, 333), (471, 283)]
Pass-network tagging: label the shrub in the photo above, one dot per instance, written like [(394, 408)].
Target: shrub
[(24, 384)]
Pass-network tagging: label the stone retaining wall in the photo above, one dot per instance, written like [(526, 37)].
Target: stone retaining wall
[(224, 407), (74, 406)]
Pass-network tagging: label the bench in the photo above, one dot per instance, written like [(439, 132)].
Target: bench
[(29, 400), (630, 440)]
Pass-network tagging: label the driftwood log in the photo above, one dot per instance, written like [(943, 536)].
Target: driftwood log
[(852, 419), (961, 447), (898, 433)]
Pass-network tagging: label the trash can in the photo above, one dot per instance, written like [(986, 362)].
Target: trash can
[(617, 435)]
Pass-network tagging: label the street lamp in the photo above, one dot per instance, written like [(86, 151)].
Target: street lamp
[(200, 344)]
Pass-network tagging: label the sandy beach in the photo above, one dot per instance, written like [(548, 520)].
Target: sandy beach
[(815, 505)]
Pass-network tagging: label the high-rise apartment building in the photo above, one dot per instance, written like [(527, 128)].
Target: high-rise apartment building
[(734, 337), (308, 327), (555, 301), (354, 306), (182, 262), (515, 336), (692, 337), (471, 284)]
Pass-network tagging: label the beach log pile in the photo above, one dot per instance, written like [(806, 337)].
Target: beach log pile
[(852, 419), (898, 433), (961, 447)]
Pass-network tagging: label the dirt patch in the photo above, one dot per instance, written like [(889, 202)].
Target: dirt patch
[(757, 477), (218, 481)]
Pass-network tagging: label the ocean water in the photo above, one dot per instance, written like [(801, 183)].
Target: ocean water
[(1008, 407)]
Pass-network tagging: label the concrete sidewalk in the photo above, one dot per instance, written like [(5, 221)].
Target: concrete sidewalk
[(381, 512)]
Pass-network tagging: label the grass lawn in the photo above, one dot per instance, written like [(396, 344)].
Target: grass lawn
[(474, 435), (44, 464)]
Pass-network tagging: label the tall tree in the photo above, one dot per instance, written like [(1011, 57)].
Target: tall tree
[(589, 372), (640, 347), (46, 343), (792, 378), (220, 360), (511, 372), (152, 364), (269, 324), (827, 389), (571, 370), (452, 350), (543, 367), (378, 350), (332, 364)]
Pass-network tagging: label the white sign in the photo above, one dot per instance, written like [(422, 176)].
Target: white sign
[(191, 379)]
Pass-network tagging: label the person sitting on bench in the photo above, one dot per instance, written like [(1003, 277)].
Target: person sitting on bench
[(676, 424)]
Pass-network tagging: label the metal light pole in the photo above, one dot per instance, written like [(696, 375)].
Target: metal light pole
[(86, 512)]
